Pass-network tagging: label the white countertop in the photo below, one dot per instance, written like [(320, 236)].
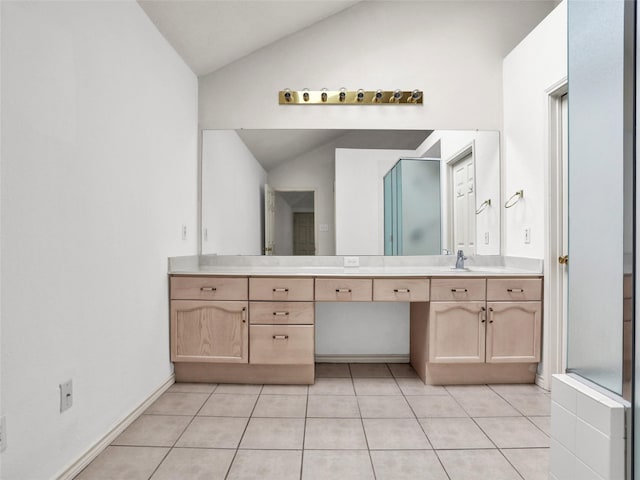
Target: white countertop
[(370, 266)]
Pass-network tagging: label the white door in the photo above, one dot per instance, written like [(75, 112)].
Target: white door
[(564, 274), (269, 219), (464, 201)]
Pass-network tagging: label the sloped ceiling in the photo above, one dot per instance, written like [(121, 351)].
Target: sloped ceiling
[(213, 33)]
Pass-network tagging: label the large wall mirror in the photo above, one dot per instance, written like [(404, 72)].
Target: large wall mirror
[(327, 192)]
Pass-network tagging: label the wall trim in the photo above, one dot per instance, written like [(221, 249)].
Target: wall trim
[(87, 457), (363, 358)]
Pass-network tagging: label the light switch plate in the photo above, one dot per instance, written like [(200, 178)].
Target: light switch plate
[(66, 395), (527, 235), (486, 238)]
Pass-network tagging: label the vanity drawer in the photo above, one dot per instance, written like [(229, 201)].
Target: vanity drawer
[(281, 288), (456, 289), (281, 345), (344, 290), (209, 288), (298, 313), (400, 289), (514, 289)]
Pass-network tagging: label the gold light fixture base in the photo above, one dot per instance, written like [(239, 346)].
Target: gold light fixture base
[(350, 97)]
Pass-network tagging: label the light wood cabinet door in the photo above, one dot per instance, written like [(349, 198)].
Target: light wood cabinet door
[(206, 331), (513, 332), (457, 332)]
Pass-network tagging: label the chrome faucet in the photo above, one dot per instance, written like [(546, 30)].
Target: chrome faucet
[(460, 258)]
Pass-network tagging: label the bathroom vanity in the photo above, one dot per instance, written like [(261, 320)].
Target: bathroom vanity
[(251, 319)]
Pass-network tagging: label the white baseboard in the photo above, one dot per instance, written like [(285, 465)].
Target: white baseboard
[(76, 467), (372, 358)]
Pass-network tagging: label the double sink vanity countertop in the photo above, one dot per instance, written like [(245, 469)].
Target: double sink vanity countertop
[(368, 266)]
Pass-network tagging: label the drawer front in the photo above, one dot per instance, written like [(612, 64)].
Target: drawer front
[(457, 289), (281, 313), (344, 290), (281, 289), (281, 344), (209, 288), (400, 289), (514, 289)]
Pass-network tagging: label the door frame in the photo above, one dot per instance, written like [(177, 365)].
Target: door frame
[(554, 352), (448, 191)]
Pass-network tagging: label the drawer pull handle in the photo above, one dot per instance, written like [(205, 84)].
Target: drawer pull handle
[(483, 314), (459, 290), (280, 314), (515, 290), (280, 337), (402, 290), (490, 315), (343, 290), (281, 290), (208, 289), (244, 314)]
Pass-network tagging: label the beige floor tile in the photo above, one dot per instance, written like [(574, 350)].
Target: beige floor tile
[(274, 434), (194, 464), (332, 370), (124, 463), (415, 386), (229, 405), (239, 388), (266, 465), (513, 432), (425, 406), (376, 386), (543, 423), (331, 464), (368, 370), (455, 433), (213, 432), (395, 434), (407, 465), (294, 406), (477, 465), (177, 403), (529, 388), (402, 370), (466, 390), (193, 387), (529, 404), (532, 463), (332, 406), (285, 389), (332, 386), (384, 406), (153, 431), (487, 404), (334, 434)]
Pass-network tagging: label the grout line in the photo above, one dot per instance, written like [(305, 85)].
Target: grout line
[(243, 433), (304, 433)]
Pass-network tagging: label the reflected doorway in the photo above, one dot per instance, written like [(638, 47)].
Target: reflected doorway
[(291, 215)]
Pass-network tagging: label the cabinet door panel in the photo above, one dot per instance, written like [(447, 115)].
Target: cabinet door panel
[(513, 332), (204, 331), (456, 332)]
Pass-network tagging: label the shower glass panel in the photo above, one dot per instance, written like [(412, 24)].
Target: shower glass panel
[(412, 213)]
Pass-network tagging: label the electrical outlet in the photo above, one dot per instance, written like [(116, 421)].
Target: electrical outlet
[(527, 235), (66, 395), (3, 433), (184, 232), (351, 261), (486, 238)]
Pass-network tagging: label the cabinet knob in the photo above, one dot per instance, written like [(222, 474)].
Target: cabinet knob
[(563, 260)]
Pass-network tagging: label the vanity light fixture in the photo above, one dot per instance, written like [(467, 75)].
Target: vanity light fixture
[(350, 97)]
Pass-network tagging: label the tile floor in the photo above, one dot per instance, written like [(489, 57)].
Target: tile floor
[(359, 421)]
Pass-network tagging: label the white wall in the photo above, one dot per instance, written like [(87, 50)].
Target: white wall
[(360, 198), (451, 50), (232, 196), (486, 156), (312, 171), (99, 173), (538, 63)]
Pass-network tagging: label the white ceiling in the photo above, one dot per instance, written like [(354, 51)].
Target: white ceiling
[(272, 147), (210, 34)]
